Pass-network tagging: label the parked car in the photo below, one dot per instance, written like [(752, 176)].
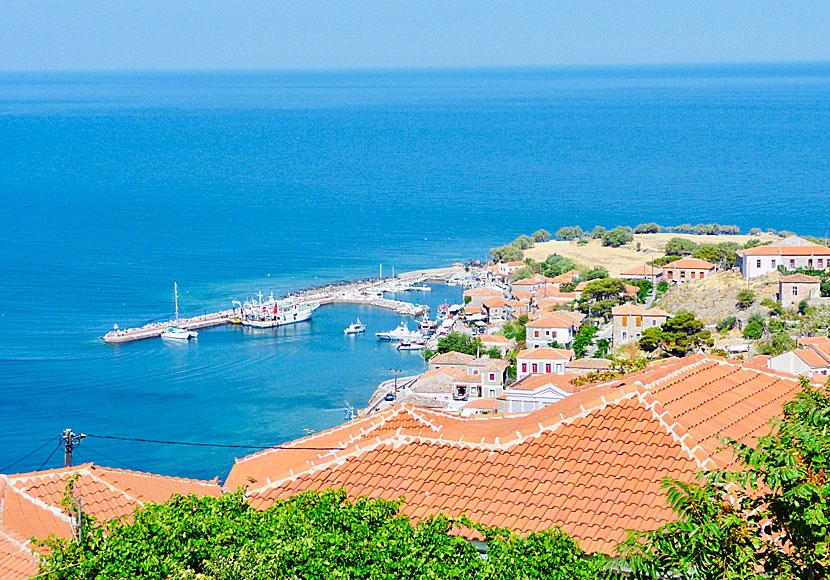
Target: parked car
[(389, 397)]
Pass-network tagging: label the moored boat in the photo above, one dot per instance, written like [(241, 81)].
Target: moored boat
[(355, 328), (174, 331), (402, 333)]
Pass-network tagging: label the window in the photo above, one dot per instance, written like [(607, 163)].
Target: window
[(492, 377), (792, 262), (492, 392), (810, 264), (795, 290), (536, 333), (638, 321), (772, 263), (671, 275), (682, 274), (547, 367), (758, 264), (693, 275), (820, 263), (559, 368), (524, 367), (654, 322), (624, 320), (625, 336), (535, 368)]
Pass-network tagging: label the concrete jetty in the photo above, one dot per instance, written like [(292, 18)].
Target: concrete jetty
[(362, 292)]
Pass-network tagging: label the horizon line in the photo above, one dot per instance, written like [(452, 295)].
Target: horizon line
[(438, 68)]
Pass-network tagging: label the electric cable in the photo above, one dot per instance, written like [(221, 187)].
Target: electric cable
[(105, 456), (4, 469), (220, 445), (50, 456)]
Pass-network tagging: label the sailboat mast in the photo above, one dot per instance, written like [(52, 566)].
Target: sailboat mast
[(176, 299)]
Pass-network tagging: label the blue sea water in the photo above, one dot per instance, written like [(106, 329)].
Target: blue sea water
[(112, 186)]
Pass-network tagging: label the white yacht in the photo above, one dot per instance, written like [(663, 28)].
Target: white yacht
[(271, 313), (415, 345), (174, 331), (402, 333)]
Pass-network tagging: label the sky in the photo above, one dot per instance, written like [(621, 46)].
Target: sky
[(316, 34)]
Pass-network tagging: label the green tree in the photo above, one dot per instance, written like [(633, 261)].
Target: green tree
[(677, 336), (603, 346), (601, 295), (649, 228), (680, 247), (556, 264), (745, 298), (583, 339), (311, 536), (597, 232), (595, 273), (617, 237), (754, 330), (457, 342), (825, 287), (507, 253), (523, 273), (802, 307), (727, 323), (778, 343), (645, 288), (523, 242), (541, 236), (569, 233)]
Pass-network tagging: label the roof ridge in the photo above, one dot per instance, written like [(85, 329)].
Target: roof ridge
[(154, 475), (22, 546), (42, 504), (676, 430), (103, 481)]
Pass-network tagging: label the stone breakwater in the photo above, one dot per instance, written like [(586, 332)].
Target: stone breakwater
[(346, 292)]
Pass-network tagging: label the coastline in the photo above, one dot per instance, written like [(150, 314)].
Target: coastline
[(345, 292)]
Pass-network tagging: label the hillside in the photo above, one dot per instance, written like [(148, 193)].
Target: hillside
[(715, 297), (626, 257)]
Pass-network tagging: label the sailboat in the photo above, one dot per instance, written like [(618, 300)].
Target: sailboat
[(175, 331)]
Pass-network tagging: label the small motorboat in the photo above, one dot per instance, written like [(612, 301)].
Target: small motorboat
[(355, 328), (412, 346)]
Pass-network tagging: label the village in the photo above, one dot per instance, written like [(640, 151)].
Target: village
[(563, 396), (526, 339)]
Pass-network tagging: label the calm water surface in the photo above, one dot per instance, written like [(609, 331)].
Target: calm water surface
[(114, 185)]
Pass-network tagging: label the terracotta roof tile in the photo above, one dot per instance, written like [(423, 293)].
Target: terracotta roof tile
[(689, 264), (800, 278)]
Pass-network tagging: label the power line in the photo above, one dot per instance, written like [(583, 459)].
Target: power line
[(5, 469), (224, 446), (96, 452), (50, 455)]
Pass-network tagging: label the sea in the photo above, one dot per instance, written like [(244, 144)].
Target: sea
[(113, 186)]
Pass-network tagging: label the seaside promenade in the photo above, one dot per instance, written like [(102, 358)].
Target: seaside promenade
[(361, 292)]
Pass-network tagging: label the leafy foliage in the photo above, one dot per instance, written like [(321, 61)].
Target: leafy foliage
[(601, 295), (649, 228), (583, 339), (677, 336), (569, 233), (312, 536), (771, 519), (727, 323), (617, 237), (680, 247), (754, 329), (778, 343), (457, 342), (541, 236), (516, 329), (595, 273), (556, 264), (597, 232), (745, 298)]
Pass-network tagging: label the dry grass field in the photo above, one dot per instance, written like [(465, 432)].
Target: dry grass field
[(626, 257)]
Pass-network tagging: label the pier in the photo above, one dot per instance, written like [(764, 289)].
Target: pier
[(359, 293)]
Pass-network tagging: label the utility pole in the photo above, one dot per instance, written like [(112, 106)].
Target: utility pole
[(70, 440), (395, 372)]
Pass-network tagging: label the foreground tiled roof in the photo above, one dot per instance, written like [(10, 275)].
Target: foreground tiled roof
[(592, 463), (535, 382), (30, 505), (589, 363), (451, 358)]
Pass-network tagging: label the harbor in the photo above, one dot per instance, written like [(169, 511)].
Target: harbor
[(363, 292)]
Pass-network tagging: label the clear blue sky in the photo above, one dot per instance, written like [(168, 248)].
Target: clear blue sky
[(243, 34)]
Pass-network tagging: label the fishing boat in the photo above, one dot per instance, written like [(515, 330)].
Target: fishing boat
[(174, 331), (421, 288), (355, 328), (402, 333), (271, 313)]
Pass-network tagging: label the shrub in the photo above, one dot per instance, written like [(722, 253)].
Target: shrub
[(755, 232), (597, 232), (680, 247), (754, 330), (649, 228), (541, 236), (745, 298), (569, 233), (727, 323)]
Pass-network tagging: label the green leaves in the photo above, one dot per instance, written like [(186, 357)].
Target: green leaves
[(311, 536)]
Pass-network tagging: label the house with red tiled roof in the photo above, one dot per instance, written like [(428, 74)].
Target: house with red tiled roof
[(812, 361), (515, 308), (535, 392), (479, 294), (507, 268), (593, 463), (502, 343), (451, 359), (797, 287), (540, 361), (480, 407), (30, 506), (645, 272), (792, 253), (495, 308), (630, 320), (687, 269), (584, 366), (564, 278), (549, 328)]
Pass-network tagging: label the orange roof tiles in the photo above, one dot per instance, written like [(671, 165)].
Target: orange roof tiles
[(689, 264), (483, 291), (643, 270), (592, 463), (629, 309), (30, 505), (534, 382), (495, 302), (554, 320), (493, 339), (811, 358), (451, 358), (802, 250), (485, 404), (546, 353), (800, 279), (809, 340)]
